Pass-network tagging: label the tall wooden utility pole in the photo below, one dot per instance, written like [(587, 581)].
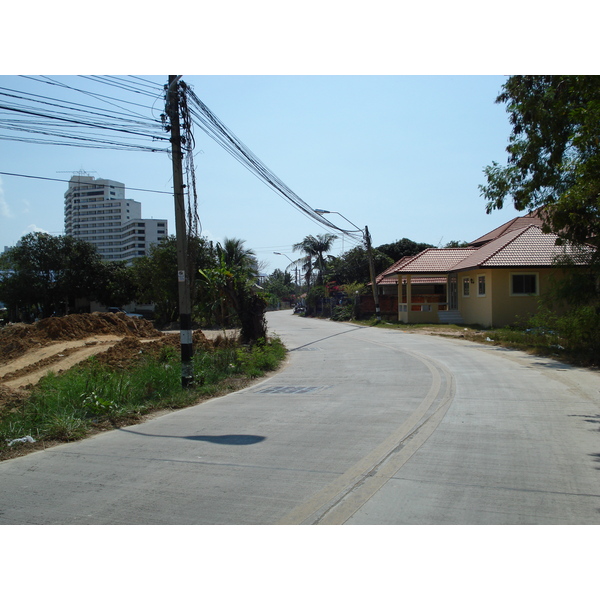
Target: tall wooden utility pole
[(372, 270), (185, 304)]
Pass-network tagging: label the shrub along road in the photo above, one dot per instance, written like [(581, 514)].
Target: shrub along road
[(363, 426)]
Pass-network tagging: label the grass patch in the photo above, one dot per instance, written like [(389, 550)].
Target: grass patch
[(93, 396), (534, 338)]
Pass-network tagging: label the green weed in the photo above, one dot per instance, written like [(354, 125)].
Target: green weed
[(67, 406)]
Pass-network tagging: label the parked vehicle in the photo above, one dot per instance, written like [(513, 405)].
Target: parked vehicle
[(115, 309)]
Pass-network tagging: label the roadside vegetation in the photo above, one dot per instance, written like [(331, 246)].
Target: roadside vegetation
[(568, 338), (94, 396)]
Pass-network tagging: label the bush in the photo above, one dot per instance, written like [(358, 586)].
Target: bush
[(342, 313)]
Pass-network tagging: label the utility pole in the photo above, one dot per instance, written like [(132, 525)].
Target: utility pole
[(367, 238), (372, 270), (185, 305)]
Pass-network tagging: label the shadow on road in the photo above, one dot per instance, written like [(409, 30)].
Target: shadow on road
[(230, 439), (354, 327)]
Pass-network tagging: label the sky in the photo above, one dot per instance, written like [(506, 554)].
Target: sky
[(386, 115), (403, 155)]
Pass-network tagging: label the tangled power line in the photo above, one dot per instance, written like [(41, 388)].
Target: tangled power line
[(102, 120)]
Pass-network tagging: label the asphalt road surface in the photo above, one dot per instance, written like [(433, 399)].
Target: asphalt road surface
[(362, 426)]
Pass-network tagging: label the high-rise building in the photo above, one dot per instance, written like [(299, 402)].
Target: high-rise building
[(97, 211)]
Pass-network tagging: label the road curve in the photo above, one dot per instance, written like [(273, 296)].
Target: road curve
[(363, 426)]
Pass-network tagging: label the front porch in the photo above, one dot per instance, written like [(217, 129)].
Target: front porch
[(414, 306)]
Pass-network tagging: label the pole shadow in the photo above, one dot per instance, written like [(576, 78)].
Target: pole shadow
[(231, 439)]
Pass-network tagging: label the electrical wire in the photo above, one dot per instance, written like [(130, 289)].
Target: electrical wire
[(214, 128), (51, 120), (44, 79), (95, 182)]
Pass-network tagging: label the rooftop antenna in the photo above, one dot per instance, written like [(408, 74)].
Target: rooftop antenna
[(81, 172)]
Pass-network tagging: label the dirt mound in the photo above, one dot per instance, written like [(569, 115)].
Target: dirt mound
[(80, 326), (16, 340), (131, 349), (10, 397)]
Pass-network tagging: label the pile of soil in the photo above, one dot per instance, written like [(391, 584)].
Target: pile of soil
[(10, 398), (138, 339), (131, 349), (17, 339)]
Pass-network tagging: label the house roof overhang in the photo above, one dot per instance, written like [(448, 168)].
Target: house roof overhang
[(526, 247)]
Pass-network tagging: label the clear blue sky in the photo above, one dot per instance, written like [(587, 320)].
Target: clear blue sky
[(401, 149), (401, 154)]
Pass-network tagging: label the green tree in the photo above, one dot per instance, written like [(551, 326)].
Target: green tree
[(401, 248), (553, 153), (232, 287), (279, 286), (155, 276), (45, 274), (554, 166), (456, 244), (315, 249), (234, 254), (116, 284), (353, 265)]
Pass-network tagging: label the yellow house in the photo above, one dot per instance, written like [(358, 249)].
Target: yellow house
[(493, 282)]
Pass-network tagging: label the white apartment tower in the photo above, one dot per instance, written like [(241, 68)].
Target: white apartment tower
[(97, 211)]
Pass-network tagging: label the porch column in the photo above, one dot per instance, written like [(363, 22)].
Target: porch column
[(408, 294)]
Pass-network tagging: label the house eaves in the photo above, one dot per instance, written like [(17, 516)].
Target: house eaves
[(524, 247), (391, 271)]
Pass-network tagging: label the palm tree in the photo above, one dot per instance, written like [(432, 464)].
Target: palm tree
[(315, 249), (233, 255), (235, 280)]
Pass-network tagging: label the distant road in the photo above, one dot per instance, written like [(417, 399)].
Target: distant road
[(363, 426)]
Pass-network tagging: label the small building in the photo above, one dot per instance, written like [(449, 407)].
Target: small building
[(493, 282)]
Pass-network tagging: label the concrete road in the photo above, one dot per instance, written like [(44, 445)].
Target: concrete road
[(363, 426)]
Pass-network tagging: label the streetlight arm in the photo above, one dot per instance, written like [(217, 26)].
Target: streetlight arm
[(367, 239), (292, 262), (321, 211)]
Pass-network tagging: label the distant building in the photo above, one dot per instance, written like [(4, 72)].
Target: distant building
[(97, 211)]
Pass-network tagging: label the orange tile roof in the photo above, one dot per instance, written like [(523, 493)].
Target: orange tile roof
[(434, 260), (525, 247), (532, 218), (391, 270), (518, 243)]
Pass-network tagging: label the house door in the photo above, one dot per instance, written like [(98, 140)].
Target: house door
[(452, 292)]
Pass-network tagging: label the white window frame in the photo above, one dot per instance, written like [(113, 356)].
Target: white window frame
[(466, 290), (479, 294), (523, 294)]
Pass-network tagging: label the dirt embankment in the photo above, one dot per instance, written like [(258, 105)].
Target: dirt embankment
[(28, 352)]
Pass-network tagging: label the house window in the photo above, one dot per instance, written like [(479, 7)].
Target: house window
[(481, 285), (466, 288), (523, 284)]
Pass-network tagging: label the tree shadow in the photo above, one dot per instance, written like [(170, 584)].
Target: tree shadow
[(228, 439), (589, 418), (594, 419), (596, 457)]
